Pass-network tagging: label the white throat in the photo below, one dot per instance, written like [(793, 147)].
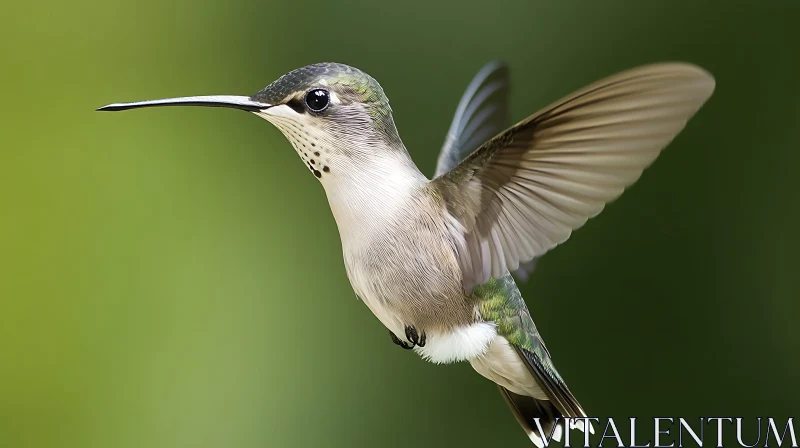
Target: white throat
[(367, 192), (366, 180)]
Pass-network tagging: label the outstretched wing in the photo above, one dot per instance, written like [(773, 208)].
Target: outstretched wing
[(524, 191), (481, 114)]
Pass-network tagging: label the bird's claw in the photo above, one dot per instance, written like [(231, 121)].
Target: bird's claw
[(402, 344), (415, 337)]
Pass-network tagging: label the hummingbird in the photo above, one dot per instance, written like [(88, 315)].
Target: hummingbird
[(433, 259)]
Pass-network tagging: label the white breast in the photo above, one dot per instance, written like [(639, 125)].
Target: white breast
[(371, 293), (400, 259), (366, 210)]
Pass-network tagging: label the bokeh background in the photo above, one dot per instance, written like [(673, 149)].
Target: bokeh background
[(173, 277)]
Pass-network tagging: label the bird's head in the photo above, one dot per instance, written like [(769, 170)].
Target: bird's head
[(334, 115)]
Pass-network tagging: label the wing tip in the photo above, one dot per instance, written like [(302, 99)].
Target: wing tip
[(689, 70), (497, 64)]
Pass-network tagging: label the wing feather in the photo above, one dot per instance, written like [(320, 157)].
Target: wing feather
[(524, 191), (481, 114)]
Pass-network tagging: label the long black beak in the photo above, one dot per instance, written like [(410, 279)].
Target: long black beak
[(235, 102)]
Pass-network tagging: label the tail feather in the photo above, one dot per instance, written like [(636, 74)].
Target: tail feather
[(551, 422), (527, 409), (519, 362)]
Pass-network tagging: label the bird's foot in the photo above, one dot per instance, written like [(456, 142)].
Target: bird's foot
[(415, 337), (402, 344)]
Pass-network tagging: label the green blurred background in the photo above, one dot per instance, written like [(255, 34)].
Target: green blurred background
[(173, 277)]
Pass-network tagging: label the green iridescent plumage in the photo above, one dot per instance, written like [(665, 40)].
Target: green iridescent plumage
[(502, 303), (361, 86)]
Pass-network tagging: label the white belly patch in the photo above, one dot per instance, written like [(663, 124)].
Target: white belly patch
[(461, 344)]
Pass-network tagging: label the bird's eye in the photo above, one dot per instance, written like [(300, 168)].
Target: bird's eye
[(317, 99)]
